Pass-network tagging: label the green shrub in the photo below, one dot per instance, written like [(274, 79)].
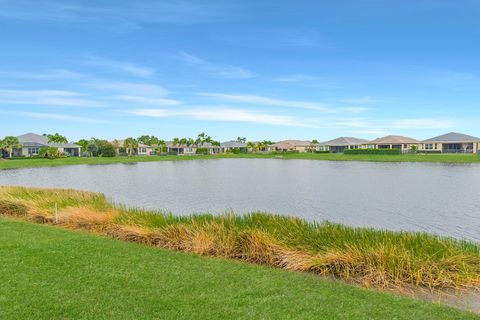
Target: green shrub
[(322, 151), (202, 151), (374, 151)]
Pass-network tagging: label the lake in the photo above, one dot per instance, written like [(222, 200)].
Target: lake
[(437, 198)]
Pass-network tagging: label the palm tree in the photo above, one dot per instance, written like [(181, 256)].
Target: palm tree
[(130, 144), (117, 146), (9, 143), (56, 138), (251, 145), (162, 145)]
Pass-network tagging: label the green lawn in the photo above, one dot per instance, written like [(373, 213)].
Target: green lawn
[(441, 158), (50, 273)]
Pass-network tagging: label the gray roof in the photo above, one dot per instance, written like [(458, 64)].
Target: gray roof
[(233, 144), (36, 140), (345, 141), (394, 140), (453, 137)]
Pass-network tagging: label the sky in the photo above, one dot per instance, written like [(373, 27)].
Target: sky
[(271, 69)]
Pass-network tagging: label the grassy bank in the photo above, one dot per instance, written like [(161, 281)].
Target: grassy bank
[(49, 273), (434, 158), (372, 258)]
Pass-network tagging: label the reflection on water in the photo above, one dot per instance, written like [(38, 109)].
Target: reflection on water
[(438, 198)]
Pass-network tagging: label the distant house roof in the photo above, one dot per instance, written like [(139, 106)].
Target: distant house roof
[(36, 140), (233, 144), (345, 141), (121, 144), (286, 144), (453, 137), (393, 140)]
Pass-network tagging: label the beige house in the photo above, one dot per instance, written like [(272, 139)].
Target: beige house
[(452, 142), (293, 145), (405, 144), (142, 150), (341, 144)]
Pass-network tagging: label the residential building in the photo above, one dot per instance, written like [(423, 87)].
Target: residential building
[(293, 145), (32, 143), (341, 144), (232, 145), (141, 150), (405, 144), (452, 142)]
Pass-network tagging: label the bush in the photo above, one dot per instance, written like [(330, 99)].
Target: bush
[(202, 151), (323, 151), (105, 148), (374, 151), (286, 152)]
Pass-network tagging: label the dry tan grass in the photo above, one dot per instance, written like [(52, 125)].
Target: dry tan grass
[(381, 266)]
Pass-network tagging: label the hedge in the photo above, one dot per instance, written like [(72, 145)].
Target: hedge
[(374, 151)]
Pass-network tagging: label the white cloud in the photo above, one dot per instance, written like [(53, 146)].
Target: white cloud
[(53, 116), (224, 114), (121, 66), (46, 97), (260, 100), (123, 15), (147, 100), (48, 74), (131, 89), (214, 69)]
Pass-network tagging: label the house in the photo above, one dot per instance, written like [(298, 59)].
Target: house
[(141, 150), (341, 144), (452, 142), (32, 143), (192, 149), (405, 144), (293, 145), (228, 146)]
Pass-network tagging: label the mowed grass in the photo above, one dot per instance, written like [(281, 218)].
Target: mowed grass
[(372, 258), (435, 158), (51, 273)]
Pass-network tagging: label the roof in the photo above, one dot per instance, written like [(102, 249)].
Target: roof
[(36, 140), (121, 144), (345, 141), (394, 140), (453, 137), (291, 144), (233, 144)]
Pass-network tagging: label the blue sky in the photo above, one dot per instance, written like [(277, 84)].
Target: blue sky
[(260, 69)]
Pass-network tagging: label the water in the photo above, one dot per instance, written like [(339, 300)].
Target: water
[(438, 198)]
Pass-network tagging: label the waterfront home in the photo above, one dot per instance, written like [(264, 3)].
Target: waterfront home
[(141, 150), (293, 145), (228, 146), (32, 143), (184, 149), (405, 144), (452, 142), (341, 144)]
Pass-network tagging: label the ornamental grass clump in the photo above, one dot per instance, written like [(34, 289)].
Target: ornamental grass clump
[(372, 258)]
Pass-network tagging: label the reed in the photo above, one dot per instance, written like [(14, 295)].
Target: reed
[(372, 258)]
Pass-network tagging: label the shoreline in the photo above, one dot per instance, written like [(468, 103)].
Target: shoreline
[(372, 258), (404, 158)]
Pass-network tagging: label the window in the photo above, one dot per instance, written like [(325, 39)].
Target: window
[(33, 151), (143, 150), (429, 146)]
